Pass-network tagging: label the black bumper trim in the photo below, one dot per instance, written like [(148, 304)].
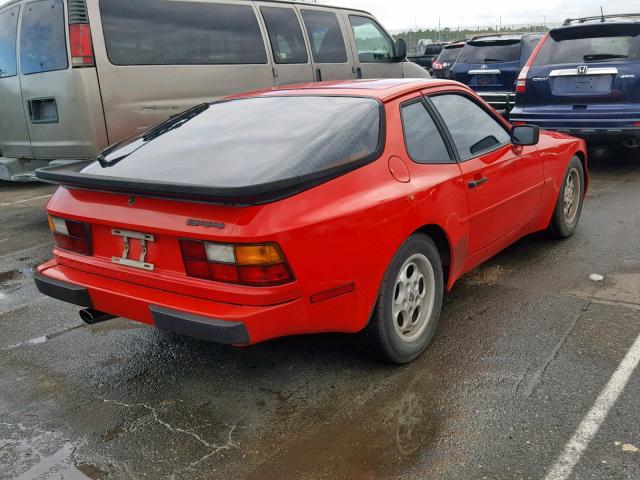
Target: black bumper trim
[(65, 291), (205, 328)]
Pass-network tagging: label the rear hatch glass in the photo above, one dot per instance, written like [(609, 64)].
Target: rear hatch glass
[(489, 64), (449, 54), (245, 150), (588, 61)]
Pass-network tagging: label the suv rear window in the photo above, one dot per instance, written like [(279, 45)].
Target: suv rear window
[(43, 45), (449, 55), (255, 141), (151, 32), (596, 45), (8, 30), (491, 52)]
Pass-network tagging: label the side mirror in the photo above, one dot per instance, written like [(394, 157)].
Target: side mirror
[(525, 135), (400, 50)]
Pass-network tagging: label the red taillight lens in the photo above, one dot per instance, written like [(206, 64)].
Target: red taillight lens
[(521, 83), (81, 45), (71, 235), (255, 265)]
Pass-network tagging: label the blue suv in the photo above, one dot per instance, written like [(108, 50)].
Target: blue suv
[(491, 64), (585, 80)]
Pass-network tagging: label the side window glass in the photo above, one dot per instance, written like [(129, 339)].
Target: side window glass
[(473, 130), (285, 35), (325, 36), (373, 44), (43, 44), (422, 138), (8, 31)]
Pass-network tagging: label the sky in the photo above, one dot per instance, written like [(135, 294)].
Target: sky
[(404, 14), (397, 15)]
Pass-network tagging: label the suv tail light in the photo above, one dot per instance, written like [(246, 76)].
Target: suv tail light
[(521, 82), (256, 265), (71, 235), (81, 45)]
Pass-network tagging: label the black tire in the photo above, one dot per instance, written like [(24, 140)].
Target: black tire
[(562, 224), (382, 335)]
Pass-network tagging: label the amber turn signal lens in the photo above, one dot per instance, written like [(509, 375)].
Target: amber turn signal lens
[(266, 254)]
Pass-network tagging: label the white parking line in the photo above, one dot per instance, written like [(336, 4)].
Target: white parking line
[(25, 200), (591, 423)]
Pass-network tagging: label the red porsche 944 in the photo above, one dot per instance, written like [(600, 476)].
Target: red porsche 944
[(328, 207)]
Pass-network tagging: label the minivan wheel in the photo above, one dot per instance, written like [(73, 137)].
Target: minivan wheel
[(408, 307), (570, 199)]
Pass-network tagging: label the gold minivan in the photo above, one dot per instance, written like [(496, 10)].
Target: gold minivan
[(78, 75)]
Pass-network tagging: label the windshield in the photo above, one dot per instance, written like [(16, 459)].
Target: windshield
[(449, 55), (589, 49), (248, 142), (491, 52)]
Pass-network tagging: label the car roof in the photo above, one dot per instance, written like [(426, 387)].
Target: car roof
[(504, 36), (383, 89), (602, 19)]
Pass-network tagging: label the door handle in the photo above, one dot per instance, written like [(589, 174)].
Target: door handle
[(477, 181), (358, 72), (318, 75)]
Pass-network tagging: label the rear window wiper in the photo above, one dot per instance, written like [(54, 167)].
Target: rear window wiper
[(602, 56), (175, 122)]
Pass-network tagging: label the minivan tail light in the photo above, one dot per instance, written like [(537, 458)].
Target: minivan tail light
[(71, 235), (521, 82), (255, 265), (81, 45)]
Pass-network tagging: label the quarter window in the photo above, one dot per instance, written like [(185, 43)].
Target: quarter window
[(474, 131), (373, 44), (43, 46), (325, 35), (422, 138), (151, 32), (285, 34), (8, 31)]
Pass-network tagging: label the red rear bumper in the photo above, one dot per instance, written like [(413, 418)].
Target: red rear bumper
[(198, 317)]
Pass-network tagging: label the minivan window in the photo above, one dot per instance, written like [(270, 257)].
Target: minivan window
[(490, 52), (473, 130), (422, 138), (151, 32), (8, 31), (43, 45), (589, 49), (373, 44), (255, 141), (325, 35), (285, 35)]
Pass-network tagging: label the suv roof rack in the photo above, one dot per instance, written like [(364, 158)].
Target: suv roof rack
[(602, 18)]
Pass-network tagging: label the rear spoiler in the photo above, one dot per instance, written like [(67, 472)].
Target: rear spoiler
[(71, 176), (591, 30)]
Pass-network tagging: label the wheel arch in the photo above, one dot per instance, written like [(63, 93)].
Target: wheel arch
[(443, 244), (582, 156)]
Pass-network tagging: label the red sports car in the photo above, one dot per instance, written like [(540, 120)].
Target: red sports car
[(328, 207)]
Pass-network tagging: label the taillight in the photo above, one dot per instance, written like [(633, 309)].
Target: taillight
[(81, 45), (71, 235), (521, 83), (256, 265)]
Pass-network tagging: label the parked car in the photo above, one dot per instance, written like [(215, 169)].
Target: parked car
[(491, 64), (431, 52), (78, 75), (442, 66), (338, 206), (585, 79)]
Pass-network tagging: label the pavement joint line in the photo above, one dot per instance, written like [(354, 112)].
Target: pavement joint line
[(591, 423), (21, 306), (535, 381), (25, 200), (26, 250)]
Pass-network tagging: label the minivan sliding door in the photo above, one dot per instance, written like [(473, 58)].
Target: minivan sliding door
[(290, 56), (332, 57)]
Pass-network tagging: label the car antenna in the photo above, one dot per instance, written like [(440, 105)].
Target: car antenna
[(601, 14)]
